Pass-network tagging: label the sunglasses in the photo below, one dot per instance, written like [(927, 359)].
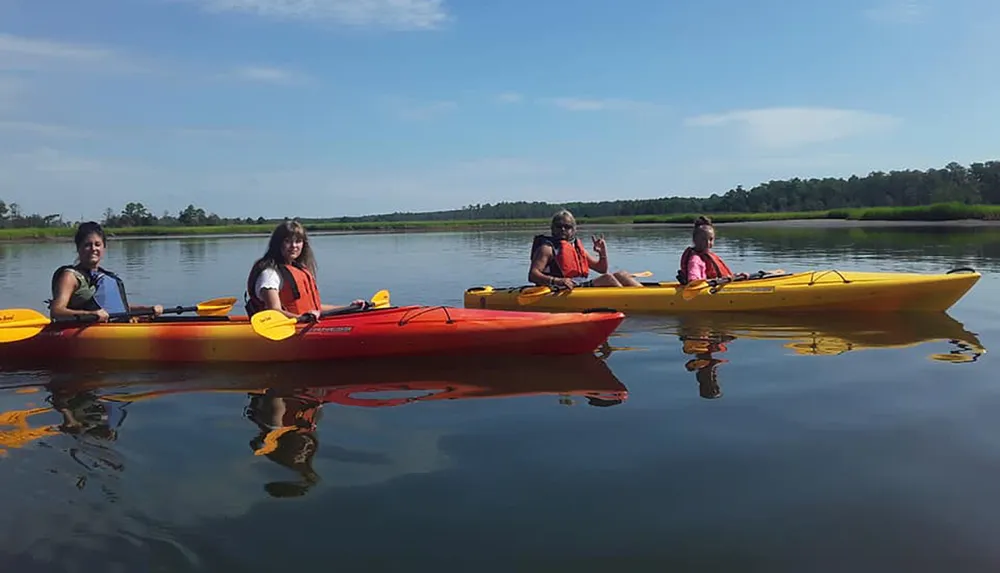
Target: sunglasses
[(565, 226)]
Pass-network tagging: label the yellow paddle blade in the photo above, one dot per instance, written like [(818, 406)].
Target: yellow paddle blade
[(216, 306), (21, 323), (532, 294), (693, 289), (273, 325), (380, 299), (643, 274)]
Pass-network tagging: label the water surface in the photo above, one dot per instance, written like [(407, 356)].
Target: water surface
[(714, 442)]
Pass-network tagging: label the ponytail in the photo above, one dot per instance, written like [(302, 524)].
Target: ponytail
[(700, 224)]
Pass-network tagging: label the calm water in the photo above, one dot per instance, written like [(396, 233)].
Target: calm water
[(698, 444)]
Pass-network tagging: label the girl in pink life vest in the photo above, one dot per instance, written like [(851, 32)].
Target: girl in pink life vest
[(698, 262)]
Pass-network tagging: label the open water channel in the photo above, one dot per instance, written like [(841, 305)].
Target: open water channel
[(699, 443)]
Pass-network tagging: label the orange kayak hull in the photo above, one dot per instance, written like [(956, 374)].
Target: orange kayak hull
[(398, 331)]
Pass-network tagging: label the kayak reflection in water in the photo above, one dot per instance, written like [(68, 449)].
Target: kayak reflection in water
[(560, 259), (87, 289), (704, 364), (287, 424)]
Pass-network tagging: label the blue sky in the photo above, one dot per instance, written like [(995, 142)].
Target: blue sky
[(344, 107)]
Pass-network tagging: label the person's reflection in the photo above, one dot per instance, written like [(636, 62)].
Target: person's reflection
[(287, 423), (703, 345), (87, 414), (93, 421)]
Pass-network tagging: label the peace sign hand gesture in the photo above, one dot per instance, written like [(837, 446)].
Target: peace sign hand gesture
[(600, 247)]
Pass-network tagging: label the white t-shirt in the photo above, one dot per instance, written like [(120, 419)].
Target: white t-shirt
[(268, 278)]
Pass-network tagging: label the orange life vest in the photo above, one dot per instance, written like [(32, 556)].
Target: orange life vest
[(298, 293), (568, 261), (715, 268), (301, 412)]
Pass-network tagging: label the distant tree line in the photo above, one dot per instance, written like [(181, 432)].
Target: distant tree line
[(137, 215), (133, 215), (11, 217), (979, 183)]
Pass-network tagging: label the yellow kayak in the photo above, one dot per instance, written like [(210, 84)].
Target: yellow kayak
[(812, 291)]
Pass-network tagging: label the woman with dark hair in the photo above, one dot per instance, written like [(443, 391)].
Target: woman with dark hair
[(698, 262), (284, 279), (87, 289)]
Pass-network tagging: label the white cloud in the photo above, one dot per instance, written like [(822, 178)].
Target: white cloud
[(612, 104), (419, 111), (11, 91), (19, 53), (897, 11), (391, 14), (792, 126), (510, 97), (41, 129), (267, 75)]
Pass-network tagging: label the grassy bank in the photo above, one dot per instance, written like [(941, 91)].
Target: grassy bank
[(937, 212)]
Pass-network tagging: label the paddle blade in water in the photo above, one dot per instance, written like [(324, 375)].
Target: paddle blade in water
[(216, 306), (643, 274), (21, 323), (273, 325)]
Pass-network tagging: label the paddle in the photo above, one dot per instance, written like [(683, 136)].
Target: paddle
[(274, 325), (695, 288), (531, 294), (22, 323)]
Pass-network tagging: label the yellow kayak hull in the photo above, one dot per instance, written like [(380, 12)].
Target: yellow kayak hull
[(813, 291)]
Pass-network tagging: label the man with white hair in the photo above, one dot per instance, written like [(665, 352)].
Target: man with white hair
[(560, 259)]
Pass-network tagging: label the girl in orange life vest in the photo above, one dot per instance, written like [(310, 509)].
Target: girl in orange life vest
[(284, 279), (86, 288), (699, 262), (561, 259)]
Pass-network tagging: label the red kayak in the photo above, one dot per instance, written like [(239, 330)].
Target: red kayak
[(393, 331)]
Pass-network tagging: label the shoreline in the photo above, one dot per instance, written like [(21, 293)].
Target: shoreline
[(49, 235)]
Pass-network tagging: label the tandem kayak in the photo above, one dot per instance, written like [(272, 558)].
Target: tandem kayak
[(393, 331), (812, 291)]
